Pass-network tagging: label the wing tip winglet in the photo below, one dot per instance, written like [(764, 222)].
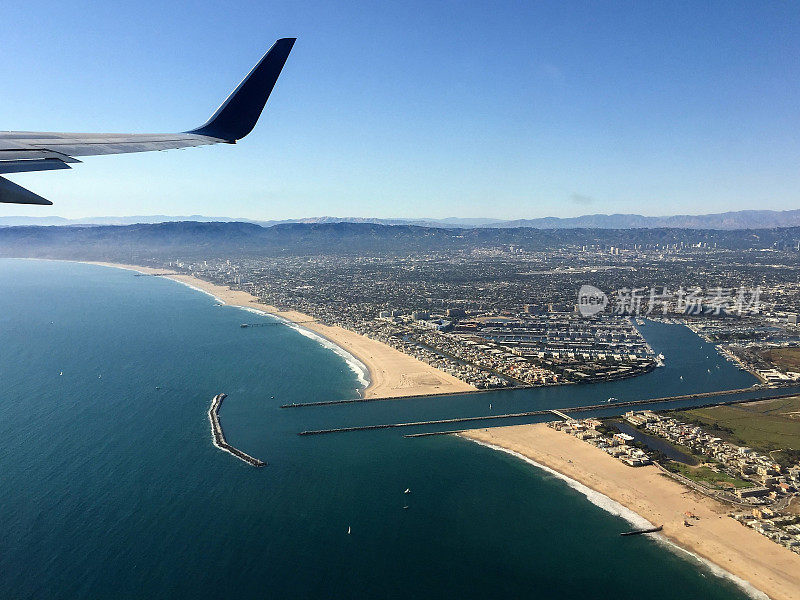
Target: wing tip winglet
[(237, 116)]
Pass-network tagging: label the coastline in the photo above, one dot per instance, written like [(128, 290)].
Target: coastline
[(600, 498), (642, 495), (389, 372)]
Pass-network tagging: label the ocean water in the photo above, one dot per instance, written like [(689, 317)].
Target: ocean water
[(111, 487)]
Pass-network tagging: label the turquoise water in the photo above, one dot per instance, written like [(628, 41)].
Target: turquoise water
[(111, 487)]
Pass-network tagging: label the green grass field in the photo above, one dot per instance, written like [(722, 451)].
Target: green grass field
[(766, 426), (708, 476)]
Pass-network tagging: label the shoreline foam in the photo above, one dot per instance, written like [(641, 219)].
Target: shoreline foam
[(382, 371), (613, 507), (359, 368), (600, 500), (356, 366), (753, 562)]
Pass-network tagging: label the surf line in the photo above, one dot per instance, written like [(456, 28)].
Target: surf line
[(615, 508), (219, 438)]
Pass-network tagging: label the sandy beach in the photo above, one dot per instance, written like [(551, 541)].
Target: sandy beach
[(391, 373), (715, 537)]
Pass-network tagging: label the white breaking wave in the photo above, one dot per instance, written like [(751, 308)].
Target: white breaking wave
[(355, 365), (595, 497), (197, 289), (715, 569), (615, 508)]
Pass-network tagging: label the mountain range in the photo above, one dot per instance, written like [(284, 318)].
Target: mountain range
[(744, 219), (133, 243)]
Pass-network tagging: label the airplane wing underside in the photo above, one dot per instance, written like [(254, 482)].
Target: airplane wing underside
[(20, 145), (28, 151)]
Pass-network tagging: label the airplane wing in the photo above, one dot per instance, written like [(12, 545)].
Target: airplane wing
[(27, 151)]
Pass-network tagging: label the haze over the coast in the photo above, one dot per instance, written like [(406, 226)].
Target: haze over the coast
[(748, 219)]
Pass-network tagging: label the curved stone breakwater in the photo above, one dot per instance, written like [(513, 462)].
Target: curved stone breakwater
[(219, 437)]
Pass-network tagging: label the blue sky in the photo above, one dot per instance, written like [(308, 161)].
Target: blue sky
[(417, 109)]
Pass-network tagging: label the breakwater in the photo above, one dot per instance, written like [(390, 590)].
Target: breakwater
[(430, 433), (641, 531), (521, 387), (272, 323), (408, 397), (533, 413), (219, 437)]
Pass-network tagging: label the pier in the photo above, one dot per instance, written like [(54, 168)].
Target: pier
[(641, 531), (219, 437), (273, 323), (561, 412)]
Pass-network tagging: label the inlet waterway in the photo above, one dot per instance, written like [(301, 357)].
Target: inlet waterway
[(112, 487), (656, 443)]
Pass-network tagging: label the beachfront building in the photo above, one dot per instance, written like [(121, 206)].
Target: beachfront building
[(616, 445), (622, 439)]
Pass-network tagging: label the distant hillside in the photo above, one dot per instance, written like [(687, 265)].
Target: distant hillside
[(130, 243), (133, 220), (744, 219)]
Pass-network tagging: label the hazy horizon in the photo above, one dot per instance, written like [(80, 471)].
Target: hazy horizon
[(423, 218)]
